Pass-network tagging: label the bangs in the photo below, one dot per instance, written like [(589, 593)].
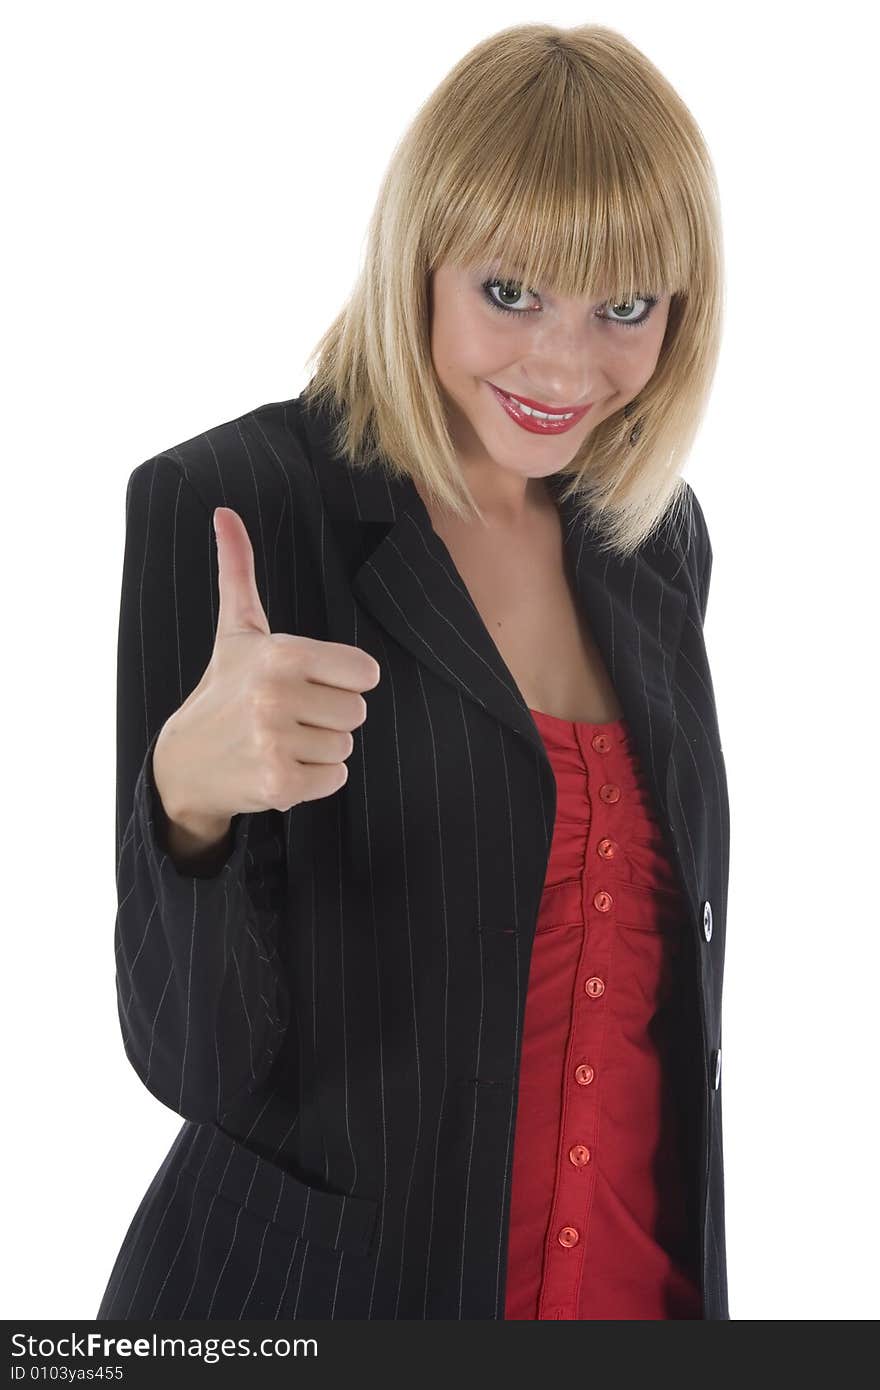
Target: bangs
[(558, 187)]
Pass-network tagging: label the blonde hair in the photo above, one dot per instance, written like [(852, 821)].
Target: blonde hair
[(566, 153)]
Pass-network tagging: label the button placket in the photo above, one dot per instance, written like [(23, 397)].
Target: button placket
[(562, 1234), (575, 1173)]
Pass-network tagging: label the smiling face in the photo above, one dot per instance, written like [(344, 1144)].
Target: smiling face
[(560, 354)]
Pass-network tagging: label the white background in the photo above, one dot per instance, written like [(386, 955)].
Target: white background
[(187, 193)]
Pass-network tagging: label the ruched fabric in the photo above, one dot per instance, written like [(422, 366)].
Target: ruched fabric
[(598, 1226)]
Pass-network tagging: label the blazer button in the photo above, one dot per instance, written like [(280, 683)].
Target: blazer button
[(717, 1078), (707, 920)]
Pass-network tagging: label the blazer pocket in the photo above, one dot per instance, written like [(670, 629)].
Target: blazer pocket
[(334, 1220)]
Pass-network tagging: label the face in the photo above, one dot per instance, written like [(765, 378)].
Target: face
[(561, 354)]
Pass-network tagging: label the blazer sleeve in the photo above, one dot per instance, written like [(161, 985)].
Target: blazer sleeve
[(201, 993)]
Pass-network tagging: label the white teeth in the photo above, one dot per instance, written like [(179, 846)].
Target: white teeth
[(540, 414)]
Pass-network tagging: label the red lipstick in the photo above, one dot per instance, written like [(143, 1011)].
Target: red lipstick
[(535, 424)]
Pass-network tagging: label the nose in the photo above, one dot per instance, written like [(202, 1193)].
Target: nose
[(558, 391), (562, 371)]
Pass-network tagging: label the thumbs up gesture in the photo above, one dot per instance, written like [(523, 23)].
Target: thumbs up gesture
[(270, 723)]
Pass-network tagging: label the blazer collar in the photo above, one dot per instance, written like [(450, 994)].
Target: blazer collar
[(406, 578)]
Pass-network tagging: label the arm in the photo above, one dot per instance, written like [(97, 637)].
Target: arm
[(201, 993)]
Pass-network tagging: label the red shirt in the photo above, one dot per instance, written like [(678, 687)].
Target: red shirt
[(597, 1199)]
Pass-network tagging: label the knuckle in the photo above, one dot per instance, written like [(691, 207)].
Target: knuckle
[(264, 696), (284, 653)]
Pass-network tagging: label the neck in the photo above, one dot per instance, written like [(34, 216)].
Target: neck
[(508, 504)]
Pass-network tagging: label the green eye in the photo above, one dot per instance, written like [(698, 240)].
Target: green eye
[(514, 288), (628, 304)]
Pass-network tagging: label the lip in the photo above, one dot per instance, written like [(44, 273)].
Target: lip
[(528, 422)]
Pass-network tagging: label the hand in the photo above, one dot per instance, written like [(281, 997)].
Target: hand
[(270, 723)]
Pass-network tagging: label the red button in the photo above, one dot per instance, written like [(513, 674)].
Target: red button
[(579, 1155), (568, 1237), (602, 900), (606, 848), (601, 743), (594, 986), (584, 1074), (609, 792)]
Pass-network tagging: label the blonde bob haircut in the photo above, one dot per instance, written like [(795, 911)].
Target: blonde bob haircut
[(565, 154)]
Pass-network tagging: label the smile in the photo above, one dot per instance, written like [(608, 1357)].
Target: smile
[(537, 421)]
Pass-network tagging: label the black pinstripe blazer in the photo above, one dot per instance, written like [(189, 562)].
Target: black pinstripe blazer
[(337, 1011)]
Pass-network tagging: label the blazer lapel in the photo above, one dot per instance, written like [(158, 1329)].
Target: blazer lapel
[(406, 578), (635, 614), (411, 586)]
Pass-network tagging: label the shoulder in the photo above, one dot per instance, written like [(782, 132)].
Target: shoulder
[(698, 544), (681, 548), (695, 545), (265, 466), (683, 534), (257, 462)]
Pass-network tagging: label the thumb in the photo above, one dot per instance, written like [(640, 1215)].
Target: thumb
[(241, 608)]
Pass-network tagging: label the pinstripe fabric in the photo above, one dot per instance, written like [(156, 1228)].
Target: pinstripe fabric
[(337, 1012)]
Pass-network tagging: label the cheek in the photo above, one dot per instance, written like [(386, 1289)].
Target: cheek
[(464, 343), (479, 353), (634, 363)]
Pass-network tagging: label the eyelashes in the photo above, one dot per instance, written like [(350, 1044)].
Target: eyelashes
[(489, 285)]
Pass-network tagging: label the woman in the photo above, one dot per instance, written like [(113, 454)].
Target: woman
[(422, 832)]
